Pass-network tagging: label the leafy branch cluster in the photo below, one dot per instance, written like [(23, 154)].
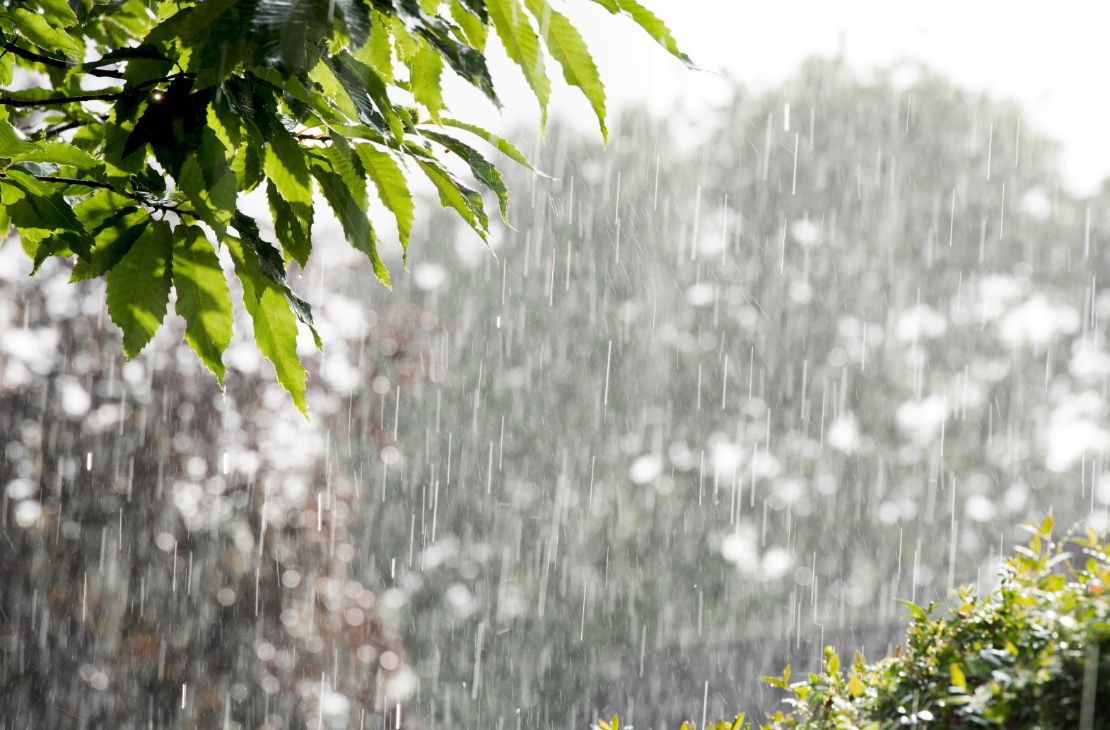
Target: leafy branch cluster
[(1033, 653), (146, 121)]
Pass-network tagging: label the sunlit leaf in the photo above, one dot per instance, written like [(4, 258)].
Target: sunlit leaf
[(917, 612), (274, 324), (472, 23), (139, 287), (568, 47), (650, 22), (522, 46), (389, 179), (40, 32), (292, 224), (958, 678), (202, 297), (501, 144), (284, 163)]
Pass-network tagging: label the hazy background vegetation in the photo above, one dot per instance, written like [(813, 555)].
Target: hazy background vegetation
[(708, 407)]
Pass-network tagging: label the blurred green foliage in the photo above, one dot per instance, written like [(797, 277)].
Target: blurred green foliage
[(1031, 654)]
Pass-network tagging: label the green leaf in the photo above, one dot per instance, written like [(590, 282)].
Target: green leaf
[(115, 235), (272, 266), (329, 106), (502, 145), (366, 91), (467, 62), (352, 216), (453, 194), (568, 47), (356, 17), (56, 153), (7, 69), (425, 66), (377, 53), (480, 167), (775, 682), (958, 678), (43, 217), (202, 297), (214, 33), (345, 164), (11, 144), (292, 224), (38, 30), (139, 287), (247, 167), (832, 661), (918, 612), (59, 12), (11, 192), (284, 163), (274, 324), (473, 27), (522, 45), (426, 69), (392, 187), (38, 205), (214, 204), (650, 22), (175, 125), (655, 27)]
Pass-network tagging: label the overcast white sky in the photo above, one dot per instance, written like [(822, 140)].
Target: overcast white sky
[(1054, 57)]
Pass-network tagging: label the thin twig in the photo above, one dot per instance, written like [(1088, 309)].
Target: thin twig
[(57, 63), (112, 96), (75, 181), (7, 101), (105, 186), (55, 131)]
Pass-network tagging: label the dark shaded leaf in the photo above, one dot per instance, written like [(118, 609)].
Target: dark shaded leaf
[(270, 263), (480, 167), (173, 125), (453, 194), (351, 215)]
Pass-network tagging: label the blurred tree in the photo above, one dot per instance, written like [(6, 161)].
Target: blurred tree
[(721, 400), (174, 557)]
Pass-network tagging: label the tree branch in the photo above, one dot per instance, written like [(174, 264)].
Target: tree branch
[(110, 96), (55, 131), (53, 101), (105, 186), (55, 62)]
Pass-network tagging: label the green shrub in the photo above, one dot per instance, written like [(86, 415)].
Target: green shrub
[(1035, 653)]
